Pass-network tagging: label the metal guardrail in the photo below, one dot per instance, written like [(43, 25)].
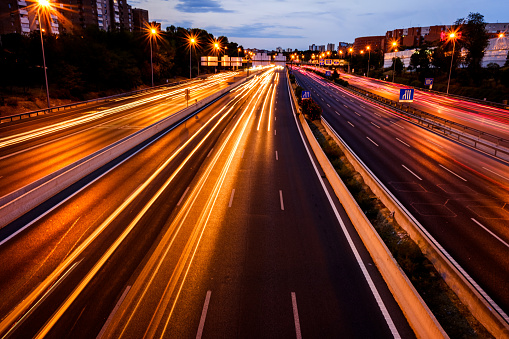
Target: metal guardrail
[(25, 115)]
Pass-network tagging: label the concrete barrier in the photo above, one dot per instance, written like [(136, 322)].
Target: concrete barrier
[(17, 203), (470, 294), (420, 318)]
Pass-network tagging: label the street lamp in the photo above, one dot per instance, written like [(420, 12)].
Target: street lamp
[(394, 45), (351, 52), (452, 36), (192, 41), (153, 33), (43, 5), (369, 58)]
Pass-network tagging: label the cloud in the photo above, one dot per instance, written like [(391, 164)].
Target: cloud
[(257, 30), (201, 6)]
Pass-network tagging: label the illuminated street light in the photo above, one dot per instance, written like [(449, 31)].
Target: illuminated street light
[(192, 42), (44, 5), (501, 35), (452, 36), (350, 50), (394, 45), (153, 34), (369, 58)]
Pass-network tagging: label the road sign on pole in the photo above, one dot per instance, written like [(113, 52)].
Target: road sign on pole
[(327, 73), (306, 95), (406, 95), (428, 82), (187, 96)]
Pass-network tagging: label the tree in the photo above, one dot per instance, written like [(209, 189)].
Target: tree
[(399, 65), (475, 40)]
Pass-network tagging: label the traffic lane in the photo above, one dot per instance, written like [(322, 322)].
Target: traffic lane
[(269, 244), (437, 195), (485, 118), (103, 115), (31, 161), (46, 244), (152, 298)]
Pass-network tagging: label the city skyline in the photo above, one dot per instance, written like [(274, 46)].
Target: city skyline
[(299, 23)]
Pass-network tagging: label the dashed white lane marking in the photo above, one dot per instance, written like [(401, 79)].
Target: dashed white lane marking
[(337, 113), (345, 105), (231, 198), (372, 123), (397, 125), (415, 175), (183, 195), (434, 143), (496, 173), (350, 124), (296, 316), (208, 155), (378, 115), (372, 141), (490, 232), (404, 143), (242, 156), (448, 170), (110, 318), (277, 158), (203, 315), (275, 118), (357, 113), (274, 132), (328, 105), (281, 200), (363, 106)]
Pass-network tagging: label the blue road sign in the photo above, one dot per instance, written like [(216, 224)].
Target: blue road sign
[(327, 73), (306, 95), (406, 95), (428, 81)]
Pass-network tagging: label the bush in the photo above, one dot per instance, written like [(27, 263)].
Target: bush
[(298, 92), (292, 78), (311, 109)]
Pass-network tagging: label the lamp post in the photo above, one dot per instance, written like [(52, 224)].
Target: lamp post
[(452, 36), (192, 41), (369, 58), (351, 51), (43, 4), (394, 45), (153, 33)]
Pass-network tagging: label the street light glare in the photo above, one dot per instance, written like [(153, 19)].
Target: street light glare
[(452, 35), (193, 40), (44, 3), (153, 31), (501, 35)]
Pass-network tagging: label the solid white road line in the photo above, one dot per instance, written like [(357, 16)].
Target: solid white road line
[(110, 318), (496, 173), (372, 141), (448, 170), (296, 316), (361, 264), (372, 123), (490, 232), (404, 143), (277, 156), (203, 315), (350, 124), (182, 198), (411, 172), (231, 198), (281, 200)]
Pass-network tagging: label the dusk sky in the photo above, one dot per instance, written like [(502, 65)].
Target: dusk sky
[(268, 24)]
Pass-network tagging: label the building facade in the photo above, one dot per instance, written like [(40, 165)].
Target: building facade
[(375, 43)]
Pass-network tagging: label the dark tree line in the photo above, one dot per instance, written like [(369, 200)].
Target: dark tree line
[(100, 62)]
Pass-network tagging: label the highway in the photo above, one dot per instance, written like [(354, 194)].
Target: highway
[(485, 118), (220, 227), (458, 194), (35, 147)]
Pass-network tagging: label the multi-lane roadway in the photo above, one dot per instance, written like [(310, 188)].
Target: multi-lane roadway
[(460, 195), (220, 226)]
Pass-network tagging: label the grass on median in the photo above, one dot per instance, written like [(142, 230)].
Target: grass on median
[(454, 317)]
